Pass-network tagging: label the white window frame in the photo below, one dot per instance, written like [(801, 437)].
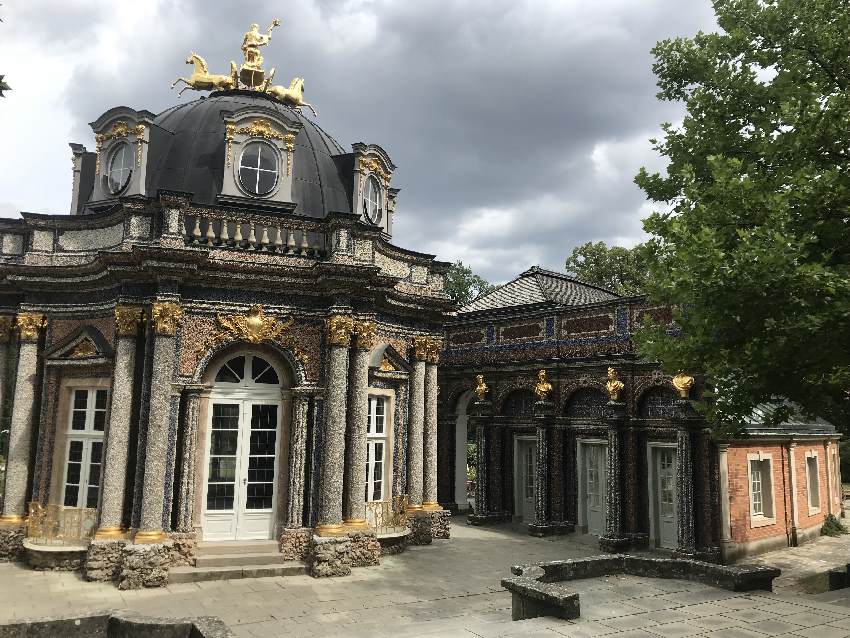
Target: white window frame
[(836, 476), (812, 454), (371, 180), (768, 489), (87, 436), (387, 396)]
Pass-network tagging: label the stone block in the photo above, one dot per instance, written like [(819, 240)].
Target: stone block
[(184, 550), (329, 556), (441, 524), (103, 560), (12, 542), (145, 565), (294, 543), (365, 549), (420, 528)]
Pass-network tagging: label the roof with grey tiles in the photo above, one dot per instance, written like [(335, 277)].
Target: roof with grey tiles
[(539, 286)]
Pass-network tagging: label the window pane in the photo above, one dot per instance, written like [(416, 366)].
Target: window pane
[(251, 156), (91, 496), (266, 182), (75, 451), (268, 161), (225, 416), (222, 469), (78, 420), (100, 400), (263, 372), (220, 496), (99, 420), (224, 442), (73, 473), (81, 399), (71, 494)]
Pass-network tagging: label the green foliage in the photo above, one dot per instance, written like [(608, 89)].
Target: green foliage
[(463, 285), (753, 248), (622, 270), (832, 527)]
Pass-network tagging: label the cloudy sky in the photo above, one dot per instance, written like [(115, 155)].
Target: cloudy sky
[(517, 125)]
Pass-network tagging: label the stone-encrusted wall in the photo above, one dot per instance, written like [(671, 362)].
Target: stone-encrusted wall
[(144, 565), (294, 543), (184, 548), (11, 543), (365, 550), (104, 560), (329, 556)]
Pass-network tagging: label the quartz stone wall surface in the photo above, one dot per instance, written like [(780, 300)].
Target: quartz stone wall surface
[(329, 556), (184, 548), (145, 565), (441, 524), (104, 559), (421, 528), (295, 542), (365, 549), (11, 543)]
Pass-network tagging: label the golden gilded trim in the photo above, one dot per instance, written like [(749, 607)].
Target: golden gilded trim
[(29, 325), (543, 388), (683, 384), (339, 330), (386, 365), (330, 530), (83, 349), (373, 165), (12, 520), (431, 505), (614, 385), (127, 320), (119, 130), (364, 334), (6, 324), (260, 128), (149, 537), (165, 318), (481, 388), (110, 533), (426, 349)]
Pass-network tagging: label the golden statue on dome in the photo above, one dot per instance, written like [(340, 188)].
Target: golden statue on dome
[(251, 72)]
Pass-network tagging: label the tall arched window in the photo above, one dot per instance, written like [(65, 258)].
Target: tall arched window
[(586, 403), (656, 403), (247, 370), (519, 403)]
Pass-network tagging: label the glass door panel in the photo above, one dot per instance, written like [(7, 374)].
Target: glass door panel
[(224, 444), (261, 457)]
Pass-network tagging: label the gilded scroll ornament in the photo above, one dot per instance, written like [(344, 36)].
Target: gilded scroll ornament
[(29, 325), (165, 317), (127, 320), (260, 128), (373, 165), (83, 349), (119, 130), (683, 384), (386, 365), (434, 348), (339, 329), (421, 347), (614, 385), (543, 388), (481, 388), (6, 323), (364, 335)]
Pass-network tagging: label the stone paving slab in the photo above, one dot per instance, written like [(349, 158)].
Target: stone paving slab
[(450, 588)]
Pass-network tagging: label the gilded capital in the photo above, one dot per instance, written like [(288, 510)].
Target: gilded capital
[(29, 325), (364, 335), (683, 384), (339, 329), (127, 320), (6, 323), (165, 317), (421, 348), (435, 347)]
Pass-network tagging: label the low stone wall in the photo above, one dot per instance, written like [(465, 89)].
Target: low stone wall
[(12, 542), (421, 525), (392, 544), (125, 625), (329, 556), (441, 524), (295, 542), (145, 565), (103, 560), (365, 550), (54, 558), (536, 589), (184, 550)]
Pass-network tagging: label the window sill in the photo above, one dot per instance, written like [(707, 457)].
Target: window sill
[(814, 511), (761, 521)]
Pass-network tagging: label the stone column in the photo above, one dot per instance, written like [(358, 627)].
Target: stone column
[(358, 417), (415, 435), (482, 410), (6, 322), (186, 497), (430, 434), (21, 426), (614, 540), (685, 480), (339, 329), (542, 415), (297, 461), (165, 319), (725, 513), (127, 322)]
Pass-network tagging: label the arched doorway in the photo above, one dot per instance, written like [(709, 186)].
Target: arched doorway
[(243, 457), (463, 437)]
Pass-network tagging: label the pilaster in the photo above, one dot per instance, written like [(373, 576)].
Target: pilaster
[(430, 425), (614, 539), (685, 479), (482, 412), (358, 417), (297, 461), (415, 437)]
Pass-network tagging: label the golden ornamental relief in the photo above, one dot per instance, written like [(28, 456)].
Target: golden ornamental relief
[(434, 348), (339, 330), (386, 365), (614, 385), (543, 388), (6, 323), (420, 347), (481, 388), (165, 318), (373, 165), (29, 325), (119, 130), (127, 320), (683, 384), (364, 334), (83, 349), (260, 128)]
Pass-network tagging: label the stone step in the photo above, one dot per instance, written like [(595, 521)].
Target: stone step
[(219, 548), (240, 558), (199, 574)]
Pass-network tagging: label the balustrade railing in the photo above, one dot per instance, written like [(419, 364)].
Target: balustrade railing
[(256, 234), (57, 525), (387, 517)]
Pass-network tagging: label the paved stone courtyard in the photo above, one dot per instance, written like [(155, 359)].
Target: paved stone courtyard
[(452, 589)]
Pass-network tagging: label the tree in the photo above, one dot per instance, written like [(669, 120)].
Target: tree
[(622, 270), (754, 247), (463, 285)]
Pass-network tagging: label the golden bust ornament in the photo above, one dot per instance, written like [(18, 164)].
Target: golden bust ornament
[(480, 387), (543, 388), (683, 384), (614, 385)]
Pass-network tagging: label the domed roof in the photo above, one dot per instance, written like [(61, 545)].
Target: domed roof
[(188, 153)]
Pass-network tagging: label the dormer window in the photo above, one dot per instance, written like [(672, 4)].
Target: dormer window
[(120, 168), (258, 168), (372, 200)]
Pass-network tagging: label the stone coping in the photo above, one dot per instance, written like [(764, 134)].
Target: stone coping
[(37, 547), (537, 590), (396, 534), (109, 624)]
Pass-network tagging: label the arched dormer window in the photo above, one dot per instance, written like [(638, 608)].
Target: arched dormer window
[(372, 198)]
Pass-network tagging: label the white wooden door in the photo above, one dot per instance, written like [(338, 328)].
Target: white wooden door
[(665, 497), (594, 482), (241, 469), (527, 479)]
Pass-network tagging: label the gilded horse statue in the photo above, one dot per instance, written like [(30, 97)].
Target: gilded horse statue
[(202, 80), (294, 95)]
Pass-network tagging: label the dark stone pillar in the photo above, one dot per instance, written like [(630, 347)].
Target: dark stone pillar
[(685, 417), (542, 418), (614, 539), (480, 420)]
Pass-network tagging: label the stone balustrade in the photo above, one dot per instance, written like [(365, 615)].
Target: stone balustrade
[(257, 234)]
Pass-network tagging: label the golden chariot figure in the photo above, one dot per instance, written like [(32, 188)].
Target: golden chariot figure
[(251, 72)]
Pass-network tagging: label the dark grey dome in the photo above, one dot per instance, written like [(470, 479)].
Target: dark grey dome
[(187, 153)]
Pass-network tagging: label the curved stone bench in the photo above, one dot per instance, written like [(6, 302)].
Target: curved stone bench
[(536, 590), (59, 558), (118, 624)]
